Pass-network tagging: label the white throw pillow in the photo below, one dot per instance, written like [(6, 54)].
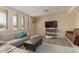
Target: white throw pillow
[(33, 36)]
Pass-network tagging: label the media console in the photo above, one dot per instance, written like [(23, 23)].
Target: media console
[(51, 28)]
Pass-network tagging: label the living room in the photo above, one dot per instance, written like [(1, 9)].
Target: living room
[(30, 20)]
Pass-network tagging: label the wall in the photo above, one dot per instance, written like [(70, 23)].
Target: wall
[(77, 24), (65, 22), (32, 26)]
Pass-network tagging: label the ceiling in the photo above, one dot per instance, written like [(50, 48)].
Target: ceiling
[(39, 10)]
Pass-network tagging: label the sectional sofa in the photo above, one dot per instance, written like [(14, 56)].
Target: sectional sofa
[(10, 43)]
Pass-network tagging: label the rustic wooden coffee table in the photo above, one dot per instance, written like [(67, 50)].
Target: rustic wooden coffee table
[(33, 43)]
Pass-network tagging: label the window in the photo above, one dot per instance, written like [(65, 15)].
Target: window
[(22, 22), (3, 22), (15, 22)]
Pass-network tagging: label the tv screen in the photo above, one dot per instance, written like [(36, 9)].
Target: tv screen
[(51, 24)]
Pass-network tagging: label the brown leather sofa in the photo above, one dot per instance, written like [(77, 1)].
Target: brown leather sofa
[(73, 36)]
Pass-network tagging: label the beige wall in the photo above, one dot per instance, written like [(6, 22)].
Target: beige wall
[(77, 24), (32, 26), (65, 22)]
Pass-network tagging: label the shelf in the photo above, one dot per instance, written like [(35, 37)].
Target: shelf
[(51, 31)]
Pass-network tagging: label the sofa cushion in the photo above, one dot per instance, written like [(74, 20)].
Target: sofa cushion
[(11, 49), (6, 36), (76, 31), (6, 48), (1, 41), (16, 42)]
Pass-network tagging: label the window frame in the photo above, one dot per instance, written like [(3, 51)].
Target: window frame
[(3, 11), (23, 22), (15, 27)]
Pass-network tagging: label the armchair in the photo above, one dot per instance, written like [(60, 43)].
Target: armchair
[(73, 36)]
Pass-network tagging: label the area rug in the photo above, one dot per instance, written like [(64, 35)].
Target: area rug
[(58, 41), (52, 48)]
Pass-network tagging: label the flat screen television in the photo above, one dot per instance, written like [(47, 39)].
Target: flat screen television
[(51, 24)]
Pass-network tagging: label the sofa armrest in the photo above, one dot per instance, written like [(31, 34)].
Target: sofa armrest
[(69, 31)]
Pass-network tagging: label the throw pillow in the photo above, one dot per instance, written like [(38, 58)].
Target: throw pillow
[(21, 35)]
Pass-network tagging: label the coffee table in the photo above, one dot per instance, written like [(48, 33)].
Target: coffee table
[(33, 43)]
